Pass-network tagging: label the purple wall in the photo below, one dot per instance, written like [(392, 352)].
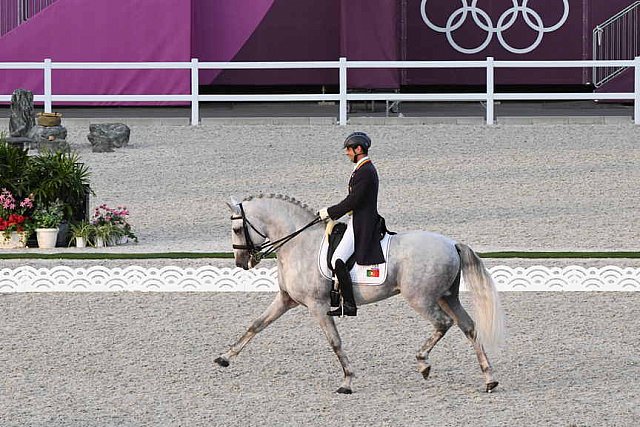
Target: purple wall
[(220, 29), (370, 31), (467, 40), (571, 40), (296, 30), (102, 30), (282, 30)]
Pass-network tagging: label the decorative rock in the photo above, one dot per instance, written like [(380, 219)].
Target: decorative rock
[(105, 136), (51, 138), (21, 142), (22, 117), (48, 133)]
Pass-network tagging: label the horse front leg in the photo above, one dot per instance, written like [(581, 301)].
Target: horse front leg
[(280, 305), (331, 331)]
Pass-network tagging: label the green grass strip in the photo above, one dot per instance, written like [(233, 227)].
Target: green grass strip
[(557, 255), (109, 256), (229, 255)]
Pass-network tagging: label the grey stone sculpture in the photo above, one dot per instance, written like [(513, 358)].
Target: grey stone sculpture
[(22, 117), (105, 136), (51, 138)]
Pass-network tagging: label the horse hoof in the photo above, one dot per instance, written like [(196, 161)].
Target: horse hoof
[(425, 372), (222, 362), (491, 386), (344, 390)]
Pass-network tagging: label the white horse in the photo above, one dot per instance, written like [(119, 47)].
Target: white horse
[(424, 267)]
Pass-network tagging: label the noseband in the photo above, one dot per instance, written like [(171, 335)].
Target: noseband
[(250, 246), (259, 252)]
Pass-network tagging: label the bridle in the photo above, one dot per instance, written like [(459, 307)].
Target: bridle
[(258, 252)]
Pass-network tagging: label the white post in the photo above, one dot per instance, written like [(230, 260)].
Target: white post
[(490, 90), (195, 105), (343, 91), (636, 101), (47, 85)]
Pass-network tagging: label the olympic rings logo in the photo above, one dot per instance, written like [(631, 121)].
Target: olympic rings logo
[(484, 22)]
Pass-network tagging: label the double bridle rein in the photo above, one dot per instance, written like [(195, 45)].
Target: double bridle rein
[(259, 252)]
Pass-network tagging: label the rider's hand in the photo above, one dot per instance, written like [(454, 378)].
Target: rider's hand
[(324, 215)]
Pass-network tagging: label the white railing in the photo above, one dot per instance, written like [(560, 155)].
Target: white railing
[(343, 97)]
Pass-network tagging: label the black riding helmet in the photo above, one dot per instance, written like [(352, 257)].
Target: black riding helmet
[(358, 139)]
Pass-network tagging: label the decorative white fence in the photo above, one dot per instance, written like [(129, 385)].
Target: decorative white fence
[(212, 279), (343, 97)]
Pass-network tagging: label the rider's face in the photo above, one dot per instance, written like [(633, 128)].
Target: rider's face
[(351, 153)]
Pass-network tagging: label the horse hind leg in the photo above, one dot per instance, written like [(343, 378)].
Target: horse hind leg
[(424, 366), (280, 305), (451, 305), (440, 320)]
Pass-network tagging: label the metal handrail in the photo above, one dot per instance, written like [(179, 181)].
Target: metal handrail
[(14, 12), (616, 38)]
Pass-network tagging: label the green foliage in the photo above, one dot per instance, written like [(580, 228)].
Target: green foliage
[(49, 216), (58, 176), (47, 177), (82, 229), (107, 231), (14, 163)]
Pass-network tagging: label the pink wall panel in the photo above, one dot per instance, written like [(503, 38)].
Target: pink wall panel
[(102, 30)]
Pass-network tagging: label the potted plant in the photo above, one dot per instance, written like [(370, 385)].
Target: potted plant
[(60, 176), (103, 234), (81, 233), (47, 221), (118, 217), (15, 220)]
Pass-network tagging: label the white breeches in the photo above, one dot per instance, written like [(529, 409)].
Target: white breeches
[(346, 247)]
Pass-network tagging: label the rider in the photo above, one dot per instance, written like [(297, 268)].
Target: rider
[(362, 236)]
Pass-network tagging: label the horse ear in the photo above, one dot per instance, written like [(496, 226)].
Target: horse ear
[(234, 206)]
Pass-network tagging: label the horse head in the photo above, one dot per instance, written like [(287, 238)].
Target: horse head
[(246, 238)]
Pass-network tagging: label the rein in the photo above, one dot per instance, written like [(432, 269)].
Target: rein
[(259, 252)]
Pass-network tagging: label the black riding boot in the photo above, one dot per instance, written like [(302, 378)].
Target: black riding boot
[(346, 287)]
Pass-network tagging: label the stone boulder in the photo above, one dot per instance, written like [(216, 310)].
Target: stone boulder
[(22, 117), (51, 138), (104, 137)]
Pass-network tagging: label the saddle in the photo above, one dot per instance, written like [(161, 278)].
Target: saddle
[(360, 274)]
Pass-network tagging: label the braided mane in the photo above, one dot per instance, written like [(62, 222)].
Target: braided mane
[(283, 198)]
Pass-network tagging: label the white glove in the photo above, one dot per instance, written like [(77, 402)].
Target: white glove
[(324, 215)]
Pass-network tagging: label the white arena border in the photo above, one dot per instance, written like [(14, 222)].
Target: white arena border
[(213, 279)]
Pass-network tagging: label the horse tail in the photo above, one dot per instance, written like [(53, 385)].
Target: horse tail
[(489, 317)]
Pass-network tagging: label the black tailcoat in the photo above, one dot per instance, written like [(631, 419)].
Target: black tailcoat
[(363, 201)]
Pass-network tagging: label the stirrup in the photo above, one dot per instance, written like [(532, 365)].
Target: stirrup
[(343, 311)]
